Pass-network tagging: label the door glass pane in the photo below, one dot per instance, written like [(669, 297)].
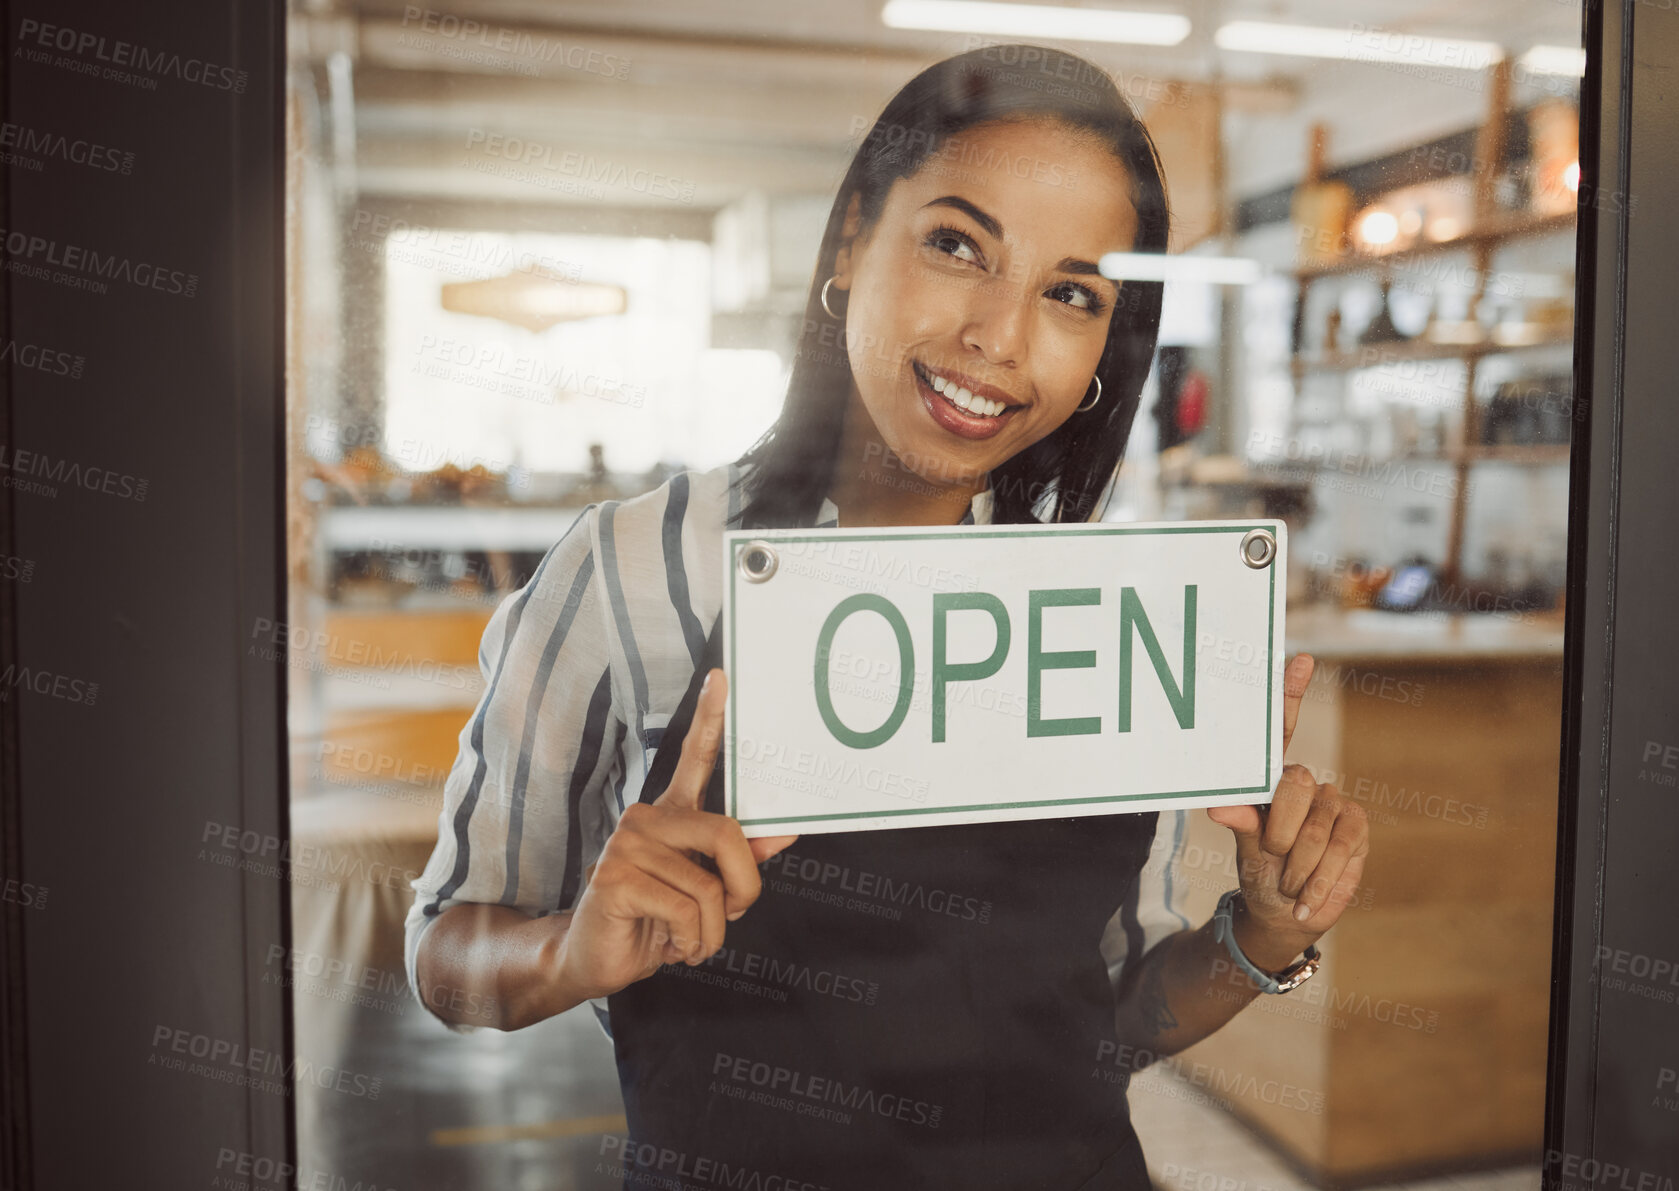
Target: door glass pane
[(556, 268)]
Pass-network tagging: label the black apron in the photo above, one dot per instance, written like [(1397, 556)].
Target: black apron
[(924, 1007)]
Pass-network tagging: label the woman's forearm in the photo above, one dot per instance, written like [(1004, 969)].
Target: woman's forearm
[(1188, 986), (488, 965)]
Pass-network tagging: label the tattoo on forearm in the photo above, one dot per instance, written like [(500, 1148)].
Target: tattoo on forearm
[(1152, 1007)]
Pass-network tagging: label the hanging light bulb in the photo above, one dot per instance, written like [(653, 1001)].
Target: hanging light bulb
[(1378, 228)]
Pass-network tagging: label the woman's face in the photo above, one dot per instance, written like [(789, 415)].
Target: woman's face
[(980, 275)]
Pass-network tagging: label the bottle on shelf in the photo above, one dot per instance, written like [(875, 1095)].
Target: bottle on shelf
[(1382, 328)]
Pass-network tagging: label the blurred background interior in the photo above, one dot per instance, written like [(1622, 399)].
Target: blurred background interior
[(548, 252)]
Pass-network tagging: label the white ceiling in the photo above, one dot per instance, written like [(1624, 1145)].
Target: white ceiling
[(723, 96)]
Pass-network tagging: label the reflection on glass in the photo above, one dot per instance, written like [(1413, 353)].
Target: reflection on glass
[(540, 265)]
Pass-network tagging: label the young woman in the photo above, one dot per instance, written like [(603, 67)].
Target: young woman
[(927, 1007)]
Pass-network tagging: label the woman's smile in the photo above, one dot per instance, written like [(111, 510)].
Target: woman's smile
[(962, 405)]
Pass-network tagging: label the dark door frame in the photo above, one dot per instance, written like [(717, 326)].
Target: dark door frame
[(143, 1046), (1614, 1040), (134, 939)]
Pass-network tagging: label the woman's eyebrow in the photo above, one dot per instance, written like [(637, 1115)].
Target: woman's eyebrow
[(1067, 264), (1072, 264), (991, 226)]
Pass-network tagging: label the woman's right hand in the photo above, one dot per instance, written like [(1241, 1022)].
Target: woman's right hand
[(649, 899)]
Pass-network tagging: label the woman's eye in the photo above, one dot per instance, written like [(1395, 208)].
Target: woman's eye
[(1076, 296), (952, 244)]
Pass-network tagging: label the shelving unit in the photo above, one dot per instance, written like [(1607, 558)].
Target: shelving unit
[(1418, 350), (1491, 230)]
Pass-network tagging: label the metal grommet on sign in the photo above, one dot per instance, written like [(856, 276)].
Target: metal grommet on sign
[(1259, 547), (757, 561)]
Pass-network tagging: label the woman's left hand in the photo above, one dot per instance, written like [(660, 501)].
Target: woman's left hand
[(1300, 859)]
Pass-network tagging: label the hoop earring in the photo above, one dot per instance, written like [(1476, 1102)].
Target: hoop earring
[(839, 315), (1093, 400)]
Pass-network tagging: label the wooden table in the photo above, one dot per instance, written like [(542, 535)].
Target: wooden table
[(1421, 1043)]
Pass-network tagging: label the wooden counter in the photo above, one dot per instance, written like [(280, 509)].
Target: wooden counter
[(1421, 1042)]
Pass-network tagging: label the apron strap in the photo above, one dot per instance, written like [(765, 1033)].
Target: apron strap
[(670, 742)]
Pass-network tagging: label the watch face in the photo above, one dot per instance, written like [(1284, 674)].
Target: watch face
[(1298, 973)]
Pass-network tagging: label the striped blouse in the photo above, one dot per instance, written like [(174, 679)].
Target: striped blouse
[(583, 667)]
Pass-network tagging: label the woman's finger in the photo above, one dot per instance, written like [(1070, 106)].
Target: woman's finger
[(704, 834), (699, 746), (1309, 843), (1296, 678), (1289, 807), (629, 892), (1344, 853), (765, 846), (680, 872)]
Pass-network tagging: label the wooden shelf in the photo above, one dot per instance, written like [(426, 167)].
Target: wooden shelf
[(1535, 454), (1490, 232), (1409, 350), (1527, 454)]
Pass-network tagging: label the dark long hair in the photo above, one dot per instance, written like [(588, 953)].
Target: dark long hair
[(1067, 470)]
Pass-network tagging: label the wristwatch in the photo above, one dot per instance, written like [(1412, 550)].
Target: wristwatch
[(1290, 977)]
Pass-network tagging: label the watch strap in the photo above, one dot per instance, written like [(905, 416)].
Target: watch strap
[(1296, 974)]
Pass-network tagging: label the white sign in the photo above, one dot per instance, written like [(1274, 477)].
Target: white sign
[(884, 678)]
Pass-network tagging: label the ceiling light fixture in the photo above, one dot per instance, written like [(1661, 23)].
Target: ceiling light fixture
[(1555, 59), (536, 299), (1037, 21), (1154, 266), (1356, 43)]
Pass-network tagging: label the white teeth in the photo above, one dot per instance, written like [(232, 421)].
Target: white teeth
[(964, 398)]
